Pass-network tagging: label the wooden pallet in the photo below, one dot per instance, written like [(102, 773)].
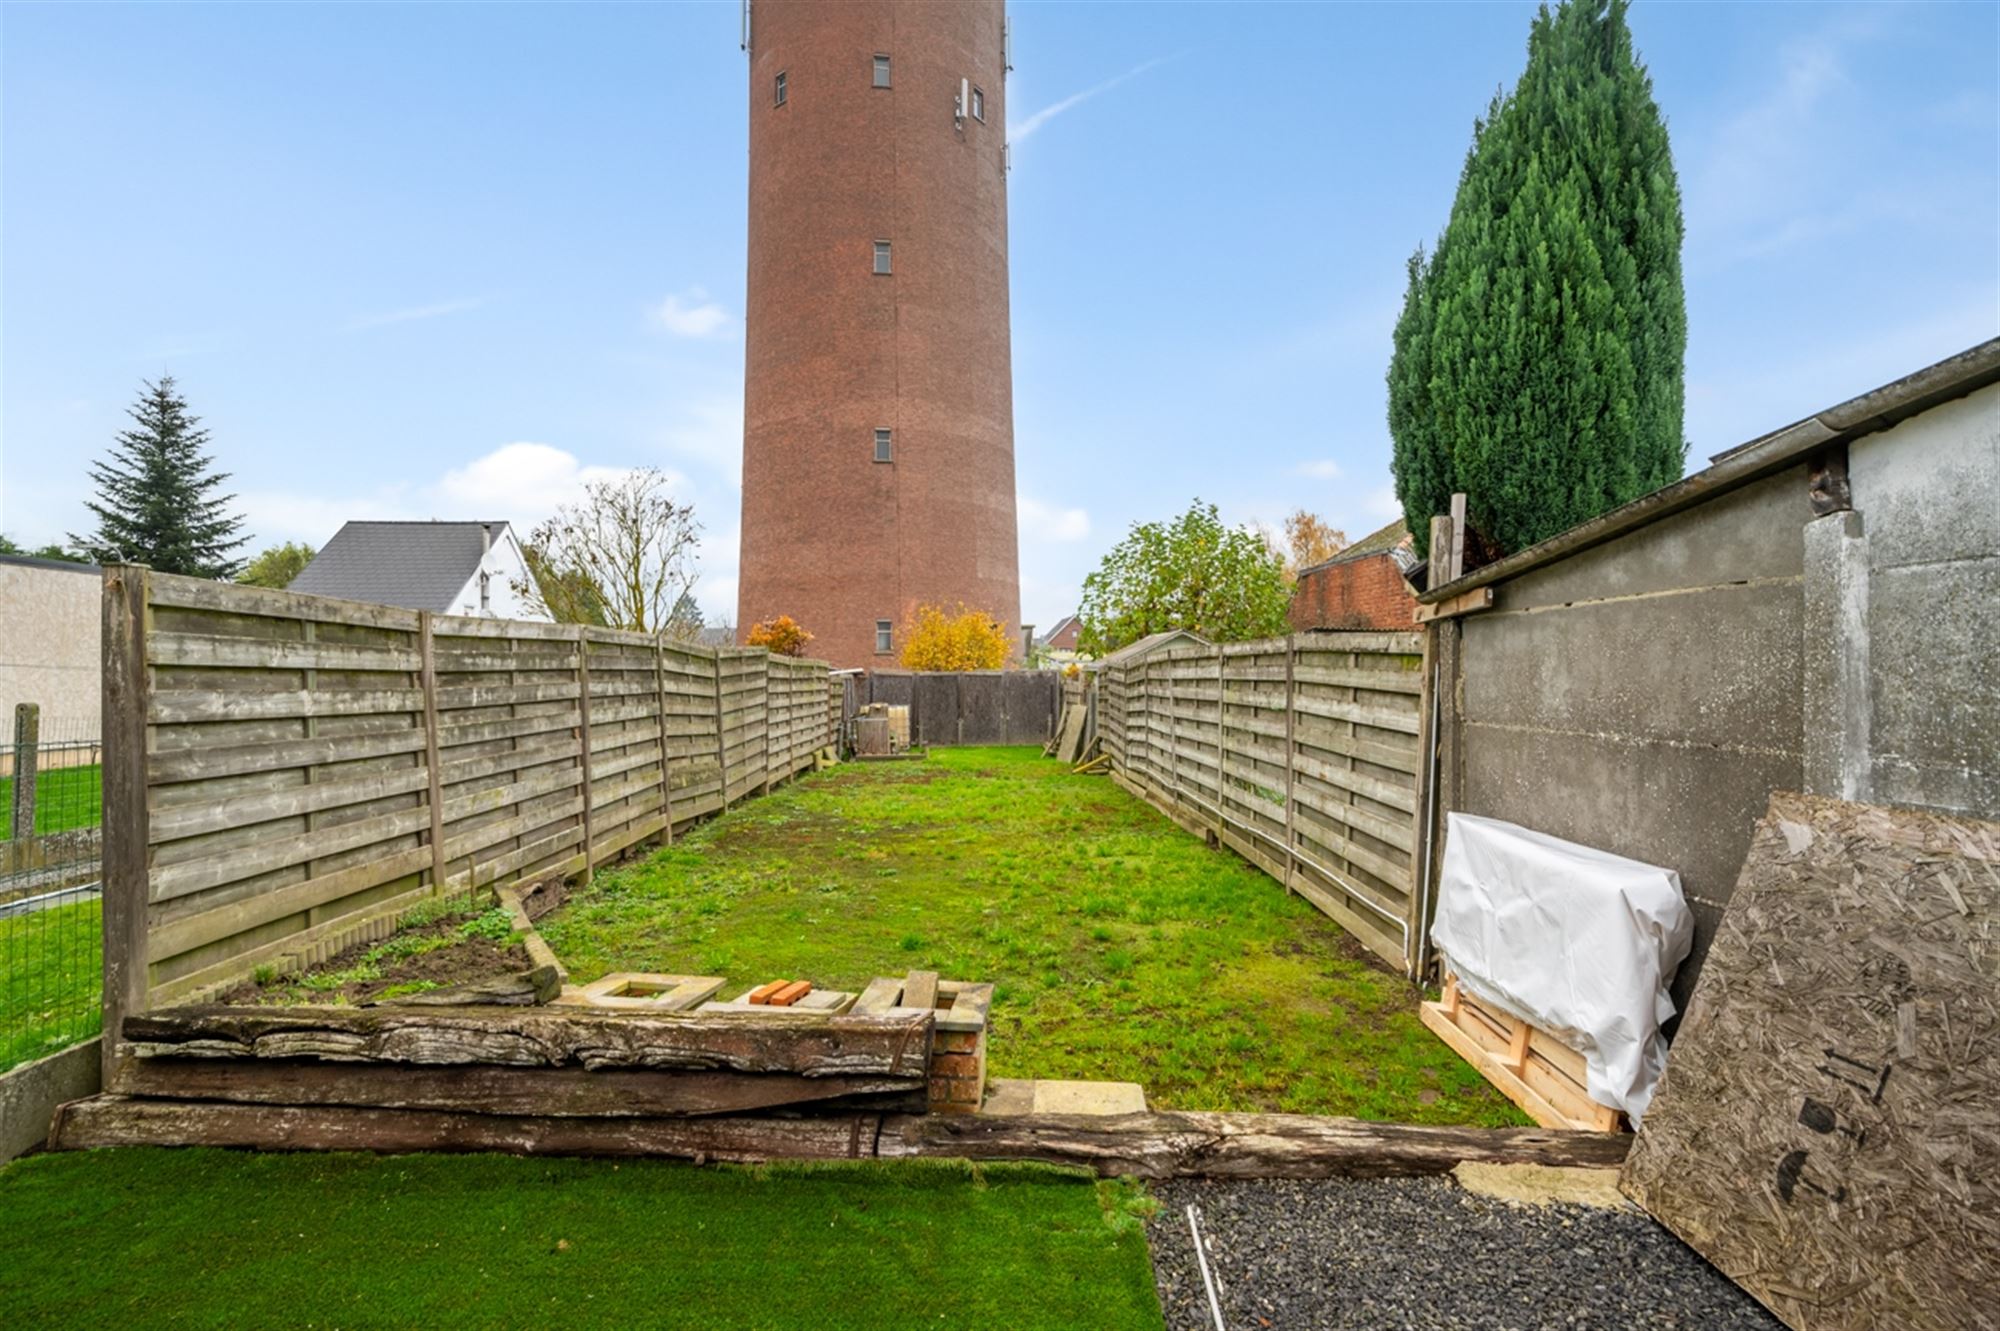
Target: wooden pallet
[(1538, 1072)]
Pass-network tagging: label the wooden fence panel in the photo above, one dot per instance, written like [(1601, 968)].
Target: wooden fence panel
[(301, 771), (1301, 753)]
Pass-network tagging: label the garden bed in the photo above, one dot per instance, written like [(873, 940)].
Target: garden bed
[(456, 943)]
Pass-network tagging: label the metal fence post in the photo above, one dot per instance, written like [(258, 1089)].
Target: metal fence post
[(27, 739)]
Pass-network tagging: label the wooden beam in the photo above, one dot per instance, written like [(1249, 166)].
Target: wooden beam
[(126, 685), (1465, 603), (1163, 1145), (487, 1089), (811, 1044)]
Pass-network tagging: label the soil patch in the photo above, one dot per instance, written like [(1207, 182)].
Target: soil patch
[(437, 954)]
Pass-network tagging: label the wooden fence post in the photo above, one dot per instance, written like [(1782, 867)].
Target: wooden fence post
[(721, 734), (127, 826), (1220, 721), (27, 761), (428, 661), (583, 715), (1424, 821), (1291, 757), (660, 691)]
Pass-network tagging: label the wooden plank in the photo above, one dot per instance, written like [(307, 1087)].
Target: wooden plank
[(666, 774), (1465, 603), (207, 762), (1150, 1145), (183, 935), (1825, 1129), (488, 1089), (281, 852), (197, 649), (126, 616), (186, 706), (809, 1044), (239, 811), (233, 598), (1505, 1071)]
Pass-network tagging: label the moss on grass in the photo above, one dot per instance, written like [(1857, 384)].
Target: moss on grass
[(1121, 947)]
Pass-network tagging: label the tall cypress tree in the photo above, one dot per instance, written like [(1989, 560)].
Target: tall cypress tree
[(155, 503), (1537, 361)]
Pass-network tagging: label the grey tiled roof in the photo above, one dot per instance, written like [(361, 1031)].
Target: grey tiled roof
[(417, 565)]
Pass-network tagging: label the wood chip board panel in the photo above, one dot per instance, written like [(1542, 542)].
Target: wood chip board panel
[(1828, 1129)]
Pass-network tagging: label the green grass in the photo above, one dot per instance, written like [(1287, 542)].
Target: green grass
[(221, 1239), (1122, 948), (51, 980), (65, 798)]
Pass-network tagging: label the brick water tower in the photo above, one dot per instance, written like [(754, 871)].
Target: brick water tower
[(878, 401)]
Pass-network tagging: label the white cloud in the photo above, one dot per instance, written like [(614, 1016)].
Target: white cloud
[(1022, 129), (692, 314), (411, 315), (1045, 522), (521, 483), (1320, 469)]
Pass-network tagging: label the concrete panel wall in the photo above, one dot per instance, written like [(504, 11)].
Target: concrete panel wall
[(1928, 494), (1644, 696), (49, 626)]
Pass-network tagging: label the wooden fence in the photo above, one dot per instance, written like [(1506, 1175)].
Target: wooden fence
[(1304, 754), (284, 774)]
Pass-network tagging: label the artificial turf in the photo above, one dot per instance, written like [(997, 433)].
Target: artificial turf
[(203, 1238), (1121, 947)]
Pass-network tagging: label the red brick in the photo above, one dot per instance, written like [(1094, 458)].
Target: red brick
[(958, 1042), (955, 1065), (832, 350), (1367, 592)]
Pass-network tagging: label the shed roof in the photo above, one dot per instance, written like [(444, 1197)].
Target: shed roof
[(416, 565), (1153, 642), (1954, 377), (1374, 543)]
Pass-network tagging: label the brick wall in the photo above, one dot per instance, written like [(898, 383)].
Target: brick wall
[(1363, 593)]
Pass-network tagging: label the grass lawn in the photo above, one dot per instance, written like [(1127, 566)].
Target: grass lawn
[(65, 798), (1122, 947), (224, 1239), (51, 980)]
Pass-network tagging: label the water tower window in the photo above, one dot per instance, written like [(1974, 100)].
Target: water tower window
[(979, 106), (885, 632), (882, 256), (778, 90), (884, 446), (881, 71)]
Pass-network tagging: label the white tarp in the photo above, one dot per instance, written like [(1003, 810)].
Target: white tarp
[(1577, 941)]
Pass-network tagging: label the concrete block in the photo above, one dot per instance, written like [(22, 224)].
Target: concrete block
[(1930, 488), (30, 1093), (1748, 533), (1719, 666)]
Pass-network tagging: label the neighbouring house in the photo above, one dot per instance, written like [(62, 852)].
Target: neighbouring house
[(49, 617), (1059, 644), (454, 568), (1362, 587)]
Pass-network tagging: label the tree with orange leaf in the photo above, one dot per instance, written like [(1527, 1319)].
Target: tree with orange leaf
[(963, 640), (783, 636)]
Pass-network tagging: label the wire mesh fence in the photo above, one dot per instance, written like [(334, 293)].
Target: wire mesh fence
[(51, 844)]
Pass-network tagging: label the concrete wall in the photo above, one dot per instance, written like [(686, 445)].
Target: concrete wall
[(49, 624), (1643, 696), (1906, 696), (1647, 695)]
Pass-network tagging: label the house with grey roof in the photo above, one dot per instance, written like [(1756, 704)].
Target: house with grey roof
[(454, 568)]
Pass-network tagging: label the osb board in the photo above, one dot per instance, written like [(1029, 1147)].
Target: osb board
[(1828, 1129)]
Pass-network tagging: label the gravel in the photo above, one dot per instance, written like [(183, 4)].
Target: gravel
[(1408, 1253)]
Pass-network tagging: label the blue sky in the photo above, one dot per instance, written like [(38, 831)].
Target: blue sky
[(452, 260)]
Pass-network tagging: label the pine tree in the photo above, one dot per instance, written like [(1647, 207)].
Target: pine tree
[(1538, 358), (155, 502)]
